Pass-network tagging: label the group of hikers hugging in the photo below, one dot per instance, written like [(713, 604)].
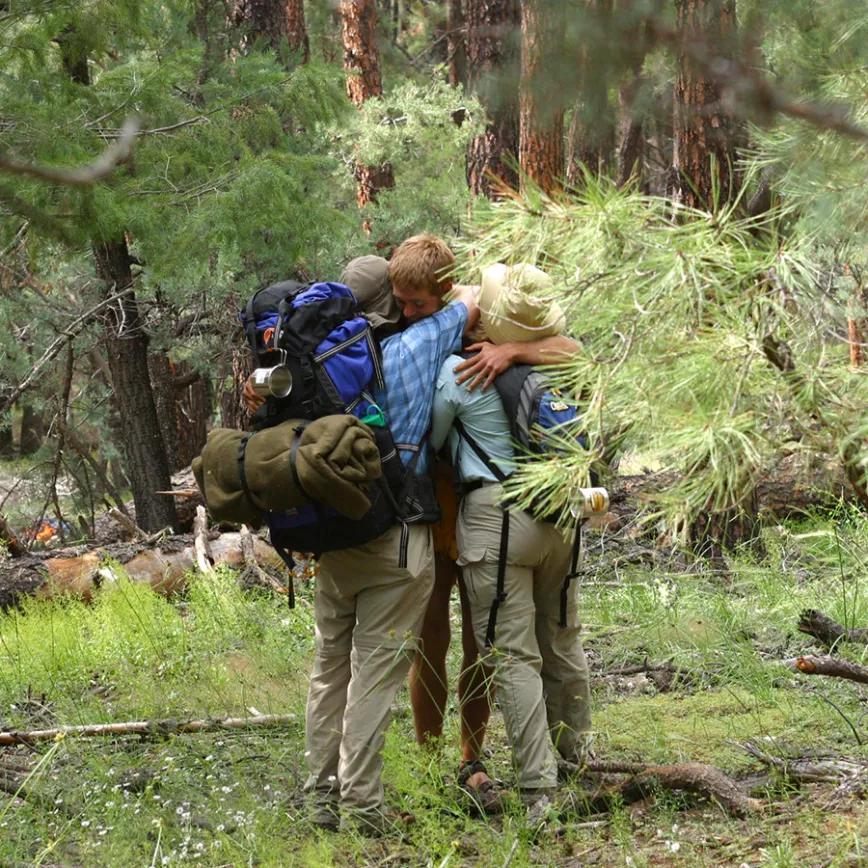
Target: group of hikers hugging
[(382, 607)]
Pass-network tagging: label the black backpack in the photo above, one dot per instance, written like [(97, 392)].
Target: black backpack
[(318, 333)]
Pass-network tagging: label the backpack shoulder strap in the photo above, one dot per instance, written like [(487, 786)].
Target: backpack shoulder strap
[(481, 454)]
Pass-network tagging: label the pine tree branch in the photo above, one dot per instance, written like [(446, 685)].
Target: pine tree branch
[(66, 335), (85, 176), (752, 86)]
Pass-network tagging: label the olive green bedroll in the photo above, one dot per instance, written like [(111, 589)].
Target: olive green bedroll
[(335, 462)]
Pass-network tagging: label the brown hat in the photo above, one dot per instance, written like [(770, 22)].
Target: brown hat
[(368, 278), (515, 304)]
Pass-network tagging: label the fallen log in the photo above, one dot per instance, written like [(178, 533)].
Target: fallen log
[(829, 631), (811, 769), (146, 727), (834, 667), (164, 564), (705, 780)]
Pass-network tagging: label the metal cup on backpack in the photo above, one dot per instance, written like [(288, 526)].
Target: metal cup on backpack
[(589, 501), (273, 382)]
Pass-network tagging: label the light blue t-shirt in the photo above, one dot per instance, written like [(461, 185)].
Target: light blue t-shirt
[(483, 417)]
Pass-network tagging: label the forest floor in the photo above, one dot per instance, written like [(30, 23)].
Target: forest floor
[(234, 798)]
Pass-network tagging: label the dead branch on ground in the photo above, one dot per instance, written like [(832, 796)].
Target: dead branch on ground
[(700, 778), (810, 769), (831, 666), (828, 631), (162, 727), (253, 573), (204, 561)]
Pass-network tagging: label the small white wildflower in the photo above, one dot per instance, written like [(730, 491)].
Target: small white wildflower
[(672, 846), (85, 824)]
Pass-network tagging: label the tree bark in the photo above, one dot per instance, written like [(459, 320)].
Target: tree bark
[(279, 24), (493, 60), (32, 430), (160, 371), (127, 345), (362, 65), (631, 146), (456, 46), (591, 138), (541, 119), (194, 405), (703, 157)]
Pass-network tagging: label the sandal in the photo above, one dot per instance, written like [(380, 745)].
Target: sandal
[(485, 798)]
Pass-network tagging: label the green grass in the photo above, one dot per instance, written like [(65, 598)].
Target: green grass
[(233, 798)]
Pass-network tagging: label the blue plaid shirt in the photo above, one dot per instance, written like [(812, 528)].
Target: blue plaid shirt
[(411, 361)]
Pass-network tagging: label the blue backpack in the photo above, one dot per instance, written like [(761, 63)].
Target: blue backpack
[(318, 332)]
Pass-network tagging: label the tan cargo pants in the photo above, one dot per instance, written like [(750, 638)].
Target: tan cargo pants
[(539, 667), (369, 612)]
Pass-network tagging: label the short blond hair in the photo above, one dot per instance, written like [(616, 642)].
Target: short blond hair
[(422, 262)]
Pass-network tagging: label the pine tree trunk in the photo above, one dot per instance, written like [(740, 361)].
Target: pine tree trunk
[(32, 430), (195, 406), (127, 350), (362, 64), (456, 50), (127, 347), (631, 147), (492, 28), (591, 140), (541, 139), (296, 30), (278, 23), (160, 371), (703, 154)]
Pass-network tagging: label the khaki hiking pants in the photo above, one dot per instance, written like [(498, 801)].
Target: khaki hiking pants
[(539, 667), (369, 613)]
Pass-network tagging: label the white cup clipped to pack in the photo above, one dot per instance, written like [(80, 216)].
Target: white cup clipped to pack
[(586, 502), (273, 382)]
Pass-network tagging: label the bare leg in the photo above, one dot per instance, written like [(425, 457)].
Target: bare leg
[(428, 687)]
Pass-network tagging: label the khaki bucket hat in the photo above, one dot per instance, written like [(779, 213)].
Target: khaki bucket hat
[(513, 304)]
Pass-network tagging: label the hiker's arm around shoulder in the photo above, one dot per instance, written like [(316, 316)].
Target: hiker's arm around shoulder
[(467, 296), (493, 359)]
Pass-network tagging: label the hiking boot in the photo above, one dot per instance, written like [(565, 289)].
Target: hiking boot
[(485, 796), (325, 815)]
